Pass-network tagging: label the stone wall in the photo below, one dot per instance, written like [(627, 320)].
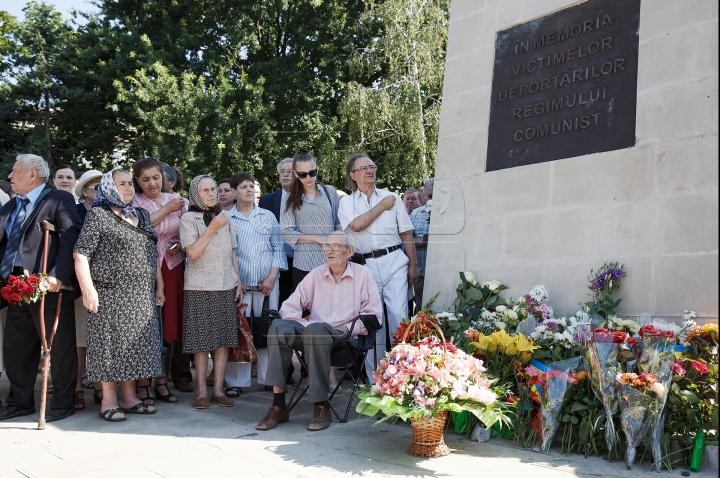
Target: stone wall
[(653, 207)]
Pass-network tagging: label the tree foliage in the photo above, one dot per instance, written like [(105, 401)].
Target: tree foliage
[(220, 86)]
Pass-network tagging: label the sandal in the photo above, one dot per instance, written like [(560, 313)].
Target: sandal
[(110, 413), (97, 396), (233, 392), (79, 400), (85, 380), (148, 399), (167, 398), (141, 408)]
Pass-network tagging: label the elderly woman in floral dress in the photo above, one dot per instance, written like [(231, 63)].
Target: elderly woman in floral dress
[(119, 275), (212, 287)]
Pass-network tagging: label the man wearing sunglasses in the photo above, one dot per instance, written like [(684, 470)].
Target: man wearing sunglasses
[(383, 243)]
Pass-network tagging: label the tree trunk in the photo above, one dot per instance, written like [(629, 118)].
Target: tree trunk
[(46, 125)]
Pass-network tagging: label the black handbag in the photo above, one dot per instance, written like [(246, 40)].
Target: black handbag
[(261, 325)]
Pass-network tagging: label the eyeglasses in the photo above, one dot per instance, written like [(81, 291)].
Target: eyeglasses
[(334, 247), (302, 175), (96, 187), (286, 171), (362, 169)]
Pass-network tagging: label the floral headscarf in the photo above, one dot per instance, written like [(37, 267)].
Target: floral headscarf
[(196, 202), (109, 196)]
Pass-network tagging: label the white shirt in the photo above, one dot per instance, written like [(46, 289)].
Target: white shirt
[(385, 231)]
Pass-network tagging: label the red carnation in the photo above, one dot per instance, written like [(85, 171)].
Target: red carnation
[(5, 292), (13, 280), (700, 367), (619, 337), (14, 298), (32, 281), (633, 342), (23, 288)]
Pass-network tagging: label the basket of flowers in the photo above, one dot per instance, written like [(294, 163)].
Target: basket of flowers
[(425, 380)]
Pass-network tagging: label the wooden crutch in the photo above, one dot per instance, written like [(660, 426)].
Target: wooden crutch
[(46, 343)]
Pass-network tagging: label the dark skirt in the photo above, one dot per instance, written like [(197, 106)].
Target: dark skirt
[(172, 311), (209, 320)]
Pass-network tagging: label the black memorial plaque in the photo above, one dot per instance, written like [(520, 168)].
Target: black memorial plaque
[(565, 85)]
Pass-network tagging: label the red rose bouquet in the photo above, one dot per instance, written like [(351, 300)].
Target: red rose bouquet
[(26, 288)]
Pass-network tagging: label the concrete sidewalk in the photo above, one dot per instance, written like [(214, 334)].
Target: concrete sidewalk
[(180, 441)]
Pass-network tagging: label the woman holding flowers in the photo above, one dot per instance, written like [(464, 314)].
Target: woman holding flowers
[(212, 286), (118, 271)]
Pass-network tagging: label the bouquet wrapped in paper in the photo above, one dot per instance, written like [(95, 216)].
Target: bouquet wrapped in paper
[(605, 358), (657, 359)]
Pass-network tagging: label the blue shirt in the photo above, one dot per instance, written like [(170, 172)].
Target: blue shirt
[(259, 245), (420, 219)]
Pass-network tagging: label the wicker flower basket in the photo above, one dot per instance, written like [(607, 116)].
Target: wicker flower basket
[(428, 431), (428, 436)]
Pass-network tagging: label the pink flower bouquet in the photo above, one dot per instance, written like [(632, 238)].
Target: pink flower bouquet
[(428, 377)]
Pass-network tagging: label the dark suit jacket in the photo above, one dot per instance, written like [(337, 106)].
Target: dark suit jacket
[(59, 208), (271, 202)]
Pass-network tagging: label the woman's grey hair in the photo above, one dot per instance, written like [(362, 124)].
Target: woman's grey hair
[(350, 166), (286, 160), (36, 163), (170, 174)]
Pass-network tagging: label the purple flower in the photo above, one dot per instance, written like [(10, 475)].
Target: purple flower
[(528, 300), (616, 272), (392, 361)]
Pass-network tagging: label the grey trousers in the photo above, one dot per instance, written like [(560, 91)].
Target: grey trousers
[(316, 341)]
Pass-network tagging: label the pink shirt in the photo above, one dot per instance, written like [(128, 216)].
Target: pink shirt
[(335, 303), (168, 230)]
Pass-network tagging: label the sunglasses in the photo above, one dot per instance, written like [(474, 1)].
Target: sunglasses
[(96, 187), (302, 175)]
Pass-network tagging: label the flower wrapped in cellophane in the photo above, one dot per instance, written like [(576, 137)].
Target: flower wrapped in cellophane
[(657, 360), (605, 357), (556, 381)]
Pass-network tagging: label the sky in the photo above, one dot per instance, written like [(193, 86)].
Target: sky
[(14, 7)]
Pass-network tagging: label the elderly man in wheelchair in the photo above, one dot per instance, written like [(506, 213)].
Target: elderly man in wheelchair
[(344, 305)]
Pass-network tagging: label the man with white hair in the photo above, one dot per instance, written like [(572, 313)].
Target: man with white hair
[(384, 243), (21, 251), (335, 293)]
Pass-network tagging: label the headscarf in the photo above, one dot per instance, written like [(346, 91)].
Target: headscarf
[(196, 202), (109, 196)]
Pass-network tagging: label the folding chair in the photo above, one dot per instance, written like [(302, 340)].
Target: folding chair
[(344, 354)]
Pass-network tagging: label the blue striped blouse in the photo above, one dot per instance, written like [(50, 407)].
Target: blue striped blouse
[(259, 245)]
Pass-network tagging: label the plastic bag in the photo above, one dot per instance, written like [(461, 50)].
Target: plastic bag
[(480, 434)]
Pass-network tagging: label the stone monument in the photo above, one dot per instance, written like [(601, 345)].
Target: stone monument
[(574, 133)]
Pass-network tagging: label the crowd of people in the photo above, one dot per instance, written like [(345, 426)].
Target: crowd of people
[(151, 281)]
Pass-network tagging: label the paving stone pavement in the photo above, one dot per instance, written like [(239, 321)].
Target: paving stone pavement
[(180, 441)]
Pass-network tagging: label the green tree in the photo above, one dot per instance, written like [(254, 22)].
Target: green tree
[(200, 127), (35, 67), (396, 119)]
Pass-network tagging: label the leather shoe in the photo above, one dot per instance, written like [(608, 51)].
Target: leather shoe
[(12, 411), (184, 385), (321, 419), (55, 414), (275, 416)]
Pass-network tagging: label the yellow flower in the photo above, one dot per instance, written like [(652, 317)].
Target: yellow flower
[(582, 375), (484, 344), (709, 328)]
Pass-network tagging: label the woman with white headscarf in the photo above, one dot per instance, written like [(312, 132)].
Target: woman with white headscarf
[(116, 262), (212, 287)]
